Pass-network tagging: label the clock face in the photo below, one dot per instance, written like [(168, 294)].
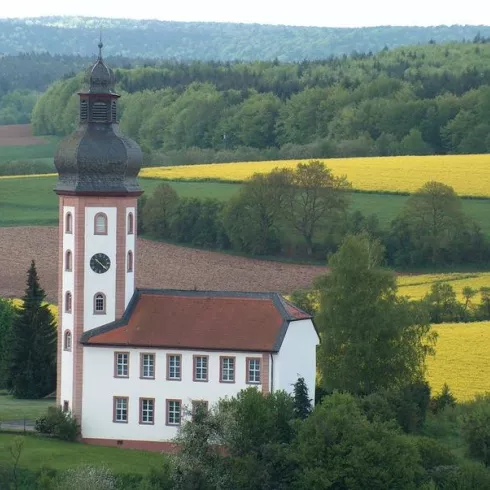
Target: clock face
[(100, 263)]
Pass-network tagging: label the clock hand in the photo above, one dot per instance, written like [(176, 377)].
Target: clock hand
[(101, 264)]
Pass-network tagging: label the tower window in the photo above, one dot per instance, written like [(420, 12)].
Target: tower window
[(99, 112), (100, 224), (99, 304), (68, 302), (83, 110), (114, 111), (130, 224), (130, 261), (67, 340), (68, 261), (68, 223)]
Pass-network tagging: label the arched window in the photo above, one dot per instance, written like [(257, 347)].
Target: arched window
[(100, 224), (130, 224), (68, 302), (68, 260), (99, 304), (130, 261), (67, 340), (68, 223)]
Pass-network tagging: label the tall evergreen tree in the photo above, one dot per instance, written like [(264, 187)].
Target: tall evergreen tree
[(32, 370), (302, 404), (7, 314)]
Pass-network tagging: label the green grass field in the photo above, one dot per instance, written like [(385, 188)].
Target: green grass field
[(39, 451), (14, 409), (31, 201), (28, 152)]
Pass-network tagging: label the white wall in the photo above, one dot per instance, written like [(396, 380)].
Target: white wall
[(297, 357), (99, 387), (67, 318), (130, 245), (105, 282)]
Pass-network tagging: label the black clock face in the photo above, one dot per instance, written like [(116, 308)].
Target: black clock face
[(100, 263)]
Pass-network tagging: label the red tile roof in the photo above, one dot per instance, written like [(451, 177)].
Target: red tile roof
[(200, 320)]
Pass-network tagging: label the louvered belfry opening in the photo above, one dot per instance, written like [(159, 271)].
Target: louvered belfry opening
[(99, 111), (83, 110)]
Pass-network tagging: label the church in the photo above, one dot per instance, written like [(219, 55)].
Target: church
[(133, 363)]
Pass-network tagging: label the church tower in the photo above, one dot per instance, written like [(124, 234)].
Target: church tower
[(98, 191)]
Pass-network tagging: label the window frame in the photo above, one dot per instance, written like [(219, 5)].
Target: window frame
[(68, 260), (68, 302), (67, 334), (130, 223), (141, 401), (116, 364), (68, 223), (221, 369), (142, 366), (130, 261), (104, 216), (195, 357), (167, 412), (168, 367), (114, 409), (96, 311), (247, 374)]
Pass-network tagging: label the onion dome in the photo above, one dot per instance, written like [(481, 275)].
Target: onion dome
[(97, 158)]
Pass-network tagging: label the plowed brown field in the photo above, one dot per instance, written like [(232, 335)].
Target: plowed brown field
[(159, 265), (18, 135)]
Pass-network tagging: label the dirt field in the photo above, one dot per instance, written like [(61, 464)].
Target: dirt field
[(18, 135), (158, 265)]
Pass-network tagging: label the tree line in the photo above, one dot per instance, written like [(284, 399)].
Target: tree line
[(305, 213), (214, 41), (429, 99)]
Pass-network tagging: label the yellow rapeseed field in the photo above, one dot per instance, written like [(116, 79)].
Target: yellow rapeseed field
[(462, 360), (52, 308), (469, 175), (417, 286)]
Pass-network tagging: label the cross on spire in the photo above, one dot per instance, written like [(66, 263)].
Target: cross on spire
[(100, 44)]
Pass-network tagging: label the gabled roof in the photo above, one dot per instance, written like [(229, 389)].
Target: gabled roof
[(204, 320)]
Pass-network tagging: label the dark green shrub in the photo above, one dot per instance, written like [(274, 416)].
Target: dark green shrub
[(476, 429), (467, 476), (59, 424), (377, 407), (444, 399), (434, 454)]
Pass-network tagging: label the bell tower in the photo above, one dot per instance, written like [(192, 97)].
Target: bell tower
[(98, 190)]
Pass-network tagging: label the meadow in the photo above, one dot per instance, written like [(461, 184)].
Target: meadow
[(469, 175), (418, 285), (461, 359), (41, 205)]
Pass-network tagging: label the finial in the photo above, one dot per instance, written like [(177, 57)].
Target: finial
[(100, 44)]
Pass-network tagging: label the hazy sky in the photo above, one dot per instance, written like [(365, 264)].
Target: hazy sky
[(343, 13)]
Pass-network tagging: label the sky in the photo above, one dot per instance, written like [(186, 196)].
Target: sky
[(343, 13)]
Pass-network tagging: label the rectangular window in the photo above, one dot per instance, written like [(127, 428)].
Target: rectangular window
[(227, 369), (121, 364), (253, 370), (147, 368), (174, 367), (196, 404), (147, 410), (173, 412), (200, 368), (120, 411)]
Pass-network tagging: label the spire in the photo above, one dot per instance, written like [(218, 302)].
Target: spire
[(101, 77), (100, 44)]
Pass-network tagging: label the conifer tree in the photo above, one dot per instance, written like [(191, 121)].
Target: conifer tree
[(32, 370), (302, 404), (7, 314)]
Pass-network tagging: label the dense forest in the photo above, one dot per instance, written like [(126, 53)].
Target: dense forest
[(432, 99), (213, 41)]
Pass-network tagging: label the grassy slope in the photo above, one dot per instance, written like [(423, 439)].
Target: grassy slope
[(31, 201), (9, 153), (39, 452), (14, 409)]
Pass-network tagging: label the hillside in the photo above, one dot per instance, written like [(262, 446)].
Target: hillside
[(213, 41)]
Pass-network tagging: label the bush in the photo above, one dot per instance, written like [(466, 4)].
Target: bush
[(476, 429), (59, 424), (444, 399), (468, 476), (88, 478), (434, 454)]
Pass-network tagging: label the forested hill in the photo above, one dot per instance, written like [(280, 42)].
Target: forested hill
[(419, 100), (213, 41)]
